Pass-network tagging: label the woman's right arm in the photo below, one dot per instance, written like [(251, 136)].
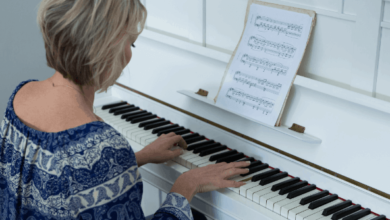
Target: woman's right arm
[(205, 179)]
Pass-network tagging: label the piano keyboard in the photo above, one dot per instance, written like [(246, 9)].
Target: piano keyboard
[(276, 190)]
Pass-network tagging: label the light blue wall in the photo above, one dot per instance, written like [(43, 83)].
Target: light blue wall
[(22, 52)]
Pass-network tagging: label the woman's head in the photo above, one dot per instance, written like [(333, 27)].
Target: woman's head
[(85, 40)]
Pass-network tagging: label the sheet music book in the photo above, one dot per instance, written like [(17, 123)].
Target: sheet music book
[(262, 69)]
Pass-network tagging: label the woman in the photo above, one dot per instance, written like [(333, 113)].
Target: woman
[(58, 160)]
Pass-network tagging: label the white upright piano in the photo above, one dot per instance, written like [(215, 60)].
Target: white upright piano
[(341, 96)]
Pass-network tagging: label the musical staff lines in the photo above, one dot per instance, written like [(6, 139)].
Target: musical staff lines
[(264, 64), (268, 24), (282, 50), (250, 100), (259, 83)]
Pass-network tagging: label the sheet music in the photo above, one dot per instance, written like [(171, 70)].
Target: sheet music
[(265, 63)]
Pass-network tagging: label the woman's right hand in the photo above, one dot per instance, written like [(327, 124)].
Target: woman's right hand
[(209, 178)]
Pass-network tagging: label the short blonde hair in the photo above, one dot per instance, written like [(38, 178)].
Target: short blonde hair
[(85, 39)]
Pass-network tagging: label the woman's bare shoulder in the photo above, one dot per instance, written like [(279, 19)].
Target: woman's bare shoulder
[(47, 111)]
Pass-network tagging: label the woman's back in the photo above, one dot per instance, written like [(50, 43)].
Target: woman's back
[(49, 110), (87, 171)]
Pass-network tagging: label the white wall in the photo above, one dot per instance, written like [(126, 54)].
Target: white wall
[(349, 46), (22, 52)]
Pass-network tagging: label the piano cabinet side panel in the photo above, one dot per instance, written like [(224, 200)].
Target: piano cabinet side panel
[(383, 82)]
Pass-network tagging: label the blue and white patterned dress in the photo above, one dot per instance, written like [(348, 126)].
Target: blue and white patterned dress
[(87, 172)]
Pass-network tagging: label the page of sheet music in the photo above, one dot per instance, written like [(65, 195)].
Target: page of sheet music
[(265, 63)]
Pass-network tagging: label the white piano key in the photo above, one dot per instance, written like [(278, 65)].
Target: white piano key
[(206, 159), (142, 133), (266, 197), (242, 178), (292, 213), (306, 214), (144, 138), (186, 152), (183, 159), (368, 217), (271, 202), (249, 193), (262, 190), (150, 140), (282, 207), (190, 161), (318, 211)]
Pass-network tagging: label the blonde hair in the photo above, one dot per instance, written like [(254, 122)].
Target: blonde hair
[(85, 39)]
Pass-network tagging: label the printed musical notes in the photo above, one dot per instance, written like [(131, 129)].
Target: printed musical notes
[(256, 103), (260, 83), (263, 66), (283, 50), (268, 24)]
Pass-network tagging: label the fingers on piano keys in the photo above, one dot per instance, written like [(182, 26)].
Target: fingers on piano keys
[(290, 197)]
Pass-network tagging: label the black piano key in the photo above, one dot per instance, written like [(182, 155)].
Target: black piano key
[(217, 156), (381, 217), (104, 107), (181, 132), (201, 144), (213, 150), (143, 118), (336, 208), (251, 159), (126, 111), (255, 169), (112, 110), (124, 116), (206, 147), (168, 129), (138, 114), (273, 178), (286, 183), (357, 215), (143, 124), (346, 211), (323, 201), (231, 158), (155, 125), (292, 187), (190, 136), (195, 139), (255, 164), (301, 191), (313, 197), (265, 174), (157, 130)]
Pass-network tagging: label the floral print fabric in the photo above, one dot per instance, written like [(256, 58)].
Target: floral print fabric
[(88, 172)]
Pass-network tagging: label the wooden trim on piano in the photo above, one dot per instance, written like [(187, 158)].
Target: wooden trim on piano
[(356, 183)]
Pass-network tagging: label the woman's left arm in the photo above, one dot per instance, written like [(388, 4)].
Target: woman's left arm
[(160, 151)]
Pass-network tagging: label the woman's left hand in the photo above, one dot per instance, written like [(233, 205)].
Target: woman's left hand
[(160, 150)]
